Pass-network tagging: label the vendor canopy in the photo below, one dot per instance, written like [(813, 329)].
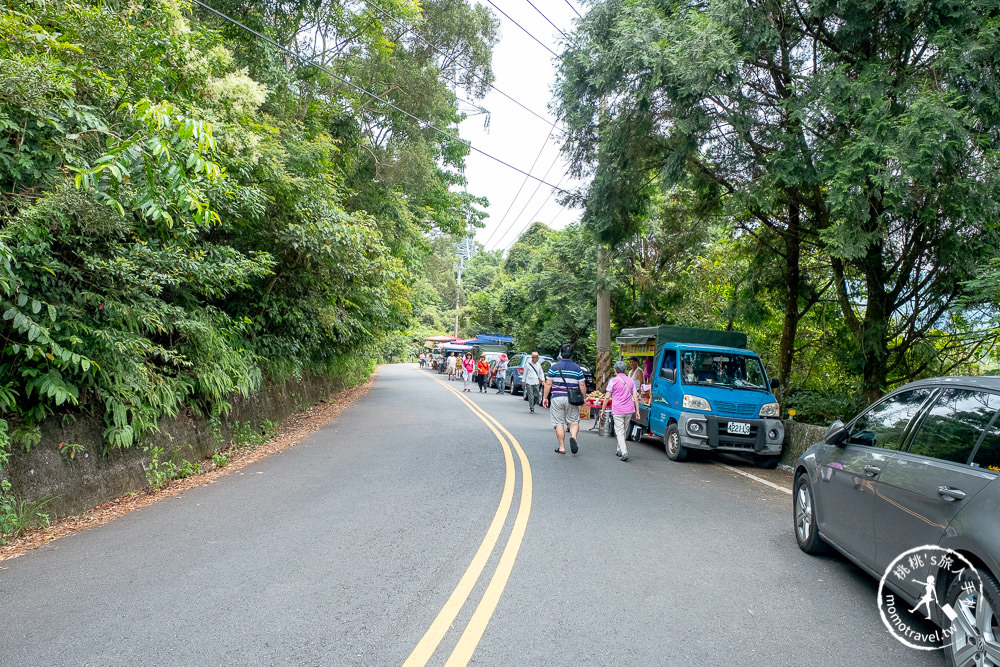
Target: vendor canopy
[(440, 339), (454, 347), (670, 334), (490, 339)]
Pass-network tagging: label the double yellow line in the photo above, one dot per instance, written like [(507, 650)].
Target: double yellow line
[(467, 643)]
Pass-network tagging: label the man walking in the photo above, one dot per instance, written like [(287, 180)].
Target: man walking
[(533, 379), (563, 374), (452, 366)]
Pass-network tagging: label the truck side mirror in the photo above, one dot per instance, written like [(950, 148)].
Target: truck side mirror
[(775, 384), (668, 374), (836, 434)]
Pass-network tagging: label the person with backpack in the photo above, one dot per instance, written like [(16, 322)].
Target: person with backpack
[(624, 398), (565, 388)]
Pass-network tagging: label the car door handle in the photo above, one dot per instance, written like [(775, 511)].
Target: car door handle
[(950, 493), (871, 471)]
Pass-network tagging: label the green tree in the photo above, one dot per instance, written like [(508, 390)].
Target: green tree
[(856, 130), (181, 206)]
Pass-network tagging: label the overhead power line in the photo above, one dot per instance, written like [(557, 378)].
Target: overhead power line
[(518, 194), (558, 29), (575, 10), (524, 30), (526, 203), (420, 121), (438, 50), (534, 216)]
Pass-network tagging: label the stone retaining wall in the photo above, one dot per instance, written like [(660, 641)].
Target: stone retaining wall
[(91, 478), (798, 438)]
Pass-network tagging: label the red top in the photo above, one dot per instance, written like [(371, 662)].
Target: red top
[(483, 368)]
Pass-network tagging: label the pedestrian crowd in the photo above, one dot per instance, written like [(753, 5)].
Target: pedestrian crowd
[(562, 390)]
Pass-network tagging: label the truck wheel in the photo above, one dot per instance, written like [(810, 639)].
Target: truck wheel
[(804, 518), (766, 462), (672, 444)]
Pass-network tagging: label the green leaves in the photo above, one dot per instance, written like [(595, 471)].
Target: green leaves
[(163, 167), (863, 135), (53, 386), (176, 228)]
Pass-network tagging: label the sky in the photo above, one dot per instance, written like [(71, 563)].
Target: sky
[(526, 71)]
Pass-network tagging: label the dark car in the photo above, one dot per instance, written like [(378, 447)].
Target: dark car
[(918, 467), (588, 377), (515, 370)]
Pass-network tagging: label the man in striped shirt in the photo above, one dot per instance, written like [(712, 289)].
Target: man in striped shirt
[(562, 374)]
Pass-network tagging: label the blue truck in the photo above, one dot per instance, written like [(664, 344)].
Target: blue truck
[(707, 392)]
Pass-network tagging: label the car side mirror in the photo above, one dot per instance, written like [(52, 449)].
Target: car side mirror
[(836, 434), (668, 374), (775, 384)]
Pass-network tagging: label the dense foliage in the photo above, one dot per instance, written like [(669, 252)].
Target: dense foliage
[(844, 152), (186, 210)]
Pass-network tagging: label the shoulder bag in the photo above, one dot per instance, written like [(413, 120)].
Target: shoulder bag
[(572, 391)]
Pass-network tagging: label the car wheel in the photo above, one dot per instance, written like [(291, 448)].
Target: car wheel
[(804, 518), (672, 444), (976, 637), (766, 462)]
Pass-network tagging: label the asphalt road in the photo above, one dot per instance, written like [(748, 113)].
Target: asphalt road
[(344, 550)]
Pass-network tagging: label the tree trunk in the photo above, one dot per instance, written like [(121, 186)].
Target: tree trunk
[(603, 371), (793, 251), (874, 333), (874, 342)]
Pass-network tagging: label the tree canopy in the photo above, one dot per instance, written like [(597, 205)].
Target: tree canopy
[(188, 209), (855, 139)]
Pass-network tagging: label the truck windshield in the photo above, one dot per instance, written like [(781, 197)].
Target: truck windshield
[(732, 370)]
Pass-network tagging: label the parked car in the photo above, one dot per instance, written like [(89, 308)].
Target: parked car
[(918, 467), (515, 370), (588, 377)]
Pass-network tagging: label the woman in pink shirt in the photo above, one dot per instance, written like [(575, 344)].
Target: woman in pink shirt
[(624, 398), (468, 365)]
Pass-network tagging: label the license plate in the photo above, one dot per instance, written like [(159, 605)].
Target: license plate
[(738, 428)]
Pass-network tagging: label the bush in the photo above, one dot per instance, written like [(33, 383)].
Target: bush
[(19, 516), (822, 407)]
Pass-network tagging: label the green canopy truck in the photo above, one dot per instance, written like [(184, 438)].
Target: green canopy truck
[(706, 392)]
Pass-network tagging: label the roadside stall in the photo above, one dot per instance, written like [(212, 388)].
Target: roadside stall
[(456, 347), (431, 344), (641, 345), (492, 345)]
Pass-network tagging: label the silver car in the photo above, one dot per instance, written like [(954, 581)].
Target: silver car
[(918, 467)]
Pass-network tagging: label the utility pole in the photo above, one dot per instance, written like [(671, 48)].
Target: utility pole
[(465, 249), (603, 373)]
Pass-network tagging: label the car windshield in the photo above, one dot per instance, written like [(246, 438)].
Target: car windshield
[(726, 369)]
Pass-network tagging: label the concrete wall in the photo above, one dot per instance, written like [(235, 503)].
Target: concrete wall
[(93, 478), (798, 438)]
